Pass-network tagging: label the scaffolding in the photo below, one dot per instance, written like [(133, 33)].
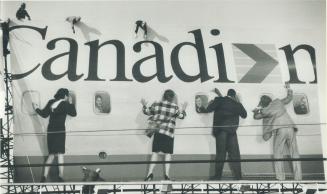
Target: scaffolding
[(183, 187), (6, 136)]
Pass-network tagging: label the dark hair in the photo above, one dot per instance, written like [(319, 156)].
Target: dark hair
[(169, 95), (98, 96), (265, 101), (61, 93), (231, 93)]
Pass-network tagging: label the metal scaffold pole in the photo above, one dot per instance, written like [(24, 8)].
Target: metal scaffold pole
[(7, 170)]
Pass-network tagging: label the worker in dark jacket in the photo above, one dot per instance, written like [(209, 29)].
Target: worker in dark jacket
[(22, 13), (5, 36), (227, 111)]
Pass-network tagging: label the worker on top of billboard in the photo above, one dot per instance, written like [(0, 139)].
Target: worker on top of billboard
[(227, 111), (73, 20), (164, 114), (141, 24), (57, 108), (277, 121), (5, 36), (22, 13)]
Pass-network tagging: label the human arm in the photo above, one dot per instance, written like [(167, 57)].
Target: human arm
[(242, 112), (70, 109), (45, 112), (213, 104), (289, 96), (216, 90), (28, 16), (181, 113), (146, 110), (257, 114)]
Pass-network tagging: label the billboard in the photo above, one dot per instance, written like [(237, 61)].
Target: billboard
[(111, 62)]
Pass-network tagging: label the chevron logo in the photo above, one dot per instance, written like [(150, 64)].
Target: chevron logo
[(256, 63)]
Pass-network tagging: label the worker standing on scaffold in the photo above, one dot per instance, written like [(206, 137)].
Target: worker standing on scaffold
[(5, 36)]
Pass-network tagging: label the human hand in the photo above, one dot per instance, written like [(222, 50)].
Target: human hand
[(289, 92), (256, 110), (35, 105), (70, 99), (237, 99), (144, 102), (216, 90), (184, 105)]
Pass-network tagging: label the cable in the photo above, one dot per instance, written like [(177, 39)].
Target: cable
[(163, 162), (176, 134), (136, 129)]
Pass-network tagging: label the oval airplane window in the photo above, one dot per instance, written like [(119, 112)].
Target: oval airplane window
[(300, 104), (101, 103), (201, 102), (29, 98)]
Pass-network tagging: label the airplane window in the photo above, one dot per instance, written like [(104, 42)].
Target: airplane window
[(29, 98), (102, 103), (201, 103), (73, 96), (300, 104)]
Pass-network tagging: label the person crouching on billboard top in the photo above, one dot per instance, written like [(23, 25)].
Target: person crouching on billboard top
[(163, 115), (57, 108), (277, 121)]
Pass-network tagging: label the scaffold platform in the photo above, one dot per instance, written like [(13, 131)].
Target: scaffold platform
[(206, 187)]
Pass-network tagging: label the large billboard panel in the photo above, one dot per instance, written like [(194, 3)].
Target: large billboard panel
[(190, 47)]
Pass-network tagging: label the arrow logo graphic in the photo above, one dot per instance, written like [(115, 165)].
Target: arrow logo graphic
[(264, 63)]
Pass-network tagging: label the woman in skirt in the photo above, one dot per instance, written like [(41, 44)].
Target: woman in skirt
[(57, 108), (164, 115)]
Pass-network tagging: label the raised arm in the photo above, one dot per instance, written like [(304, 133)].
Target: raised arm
[(147, 110), (242, 111), (213, 104), (216, 90), (70, 109), (289, 97), (181, 113), (45, 112)]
